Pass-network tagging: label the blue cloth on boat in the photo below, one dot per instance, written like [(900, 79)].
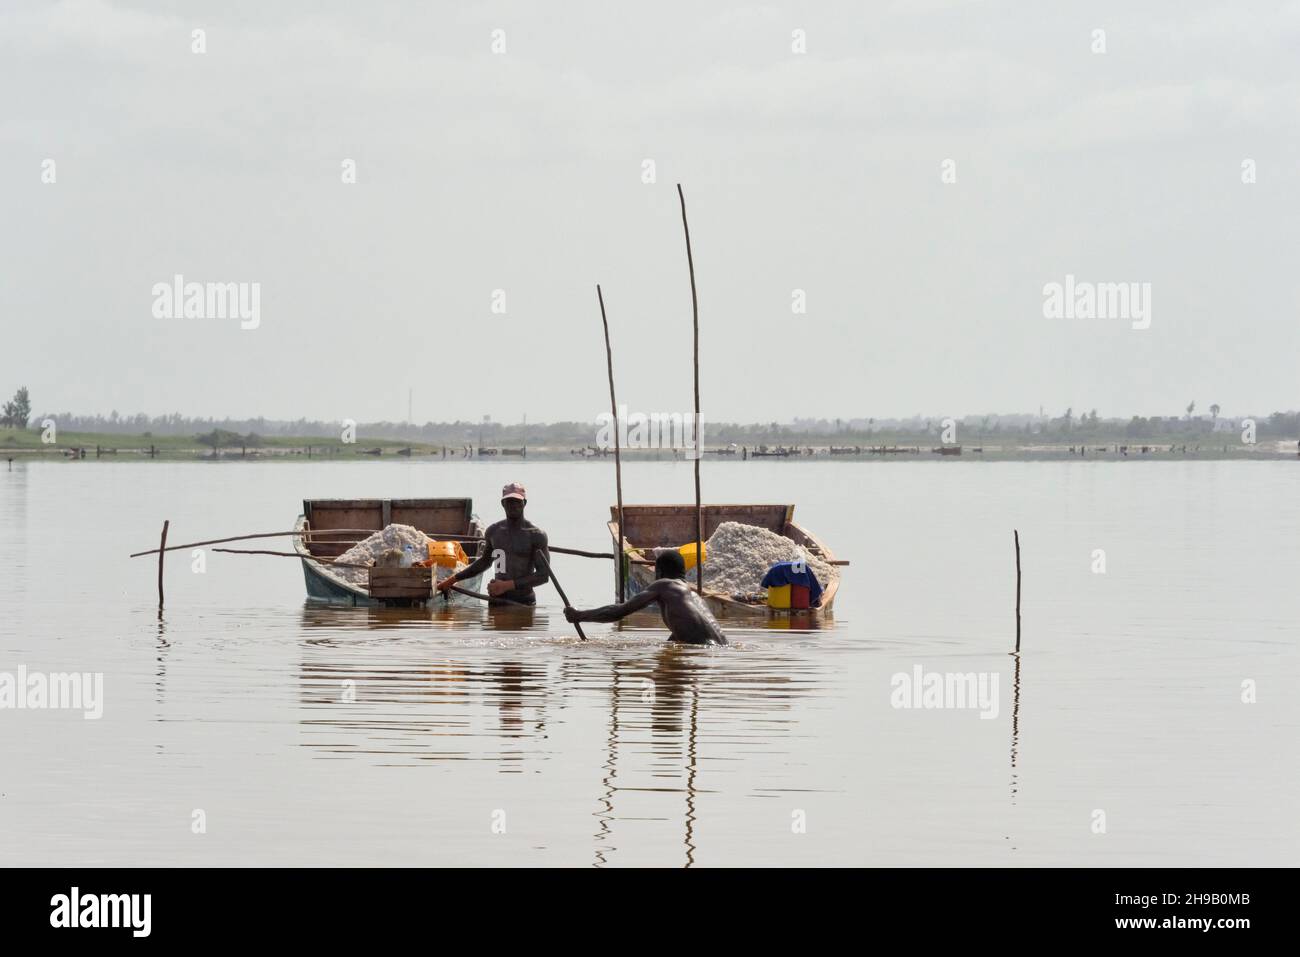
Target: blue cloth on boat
[(794, 573)]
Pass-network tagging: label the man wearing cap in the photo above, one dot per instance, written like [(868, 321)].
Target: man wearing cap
[(513, 545)]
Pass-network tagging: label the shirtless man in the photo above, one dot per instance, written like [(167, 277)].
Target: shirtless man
[(512, 545), (683, 611)]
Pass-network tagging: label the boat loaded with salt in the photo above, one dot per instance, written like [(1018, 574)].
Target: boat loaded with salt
[(401, 524), (742, 543)]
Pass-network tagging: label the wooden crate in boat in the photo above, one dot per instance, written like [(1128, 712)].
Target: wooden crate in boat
[(413, 583)]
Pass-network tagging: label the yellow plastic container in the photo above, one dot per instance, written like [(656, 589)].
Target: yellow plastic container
[(688, 553), (778, 596), (447, 554)]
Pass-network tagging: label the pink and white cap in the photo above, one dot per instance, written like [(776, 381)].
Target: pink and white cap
[(514, 490)]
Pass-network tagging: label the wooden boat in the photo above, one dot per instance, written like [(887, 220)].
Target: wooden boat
[(670, 526), (433, 516)]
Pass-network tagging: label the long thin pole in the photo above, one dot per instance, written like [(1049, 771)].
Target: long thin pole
[(618, 454), (354, 531), (695, 313), (314, 558), (162, 550), (1017, 534), (498, 600), (546, 567), (244, 538)]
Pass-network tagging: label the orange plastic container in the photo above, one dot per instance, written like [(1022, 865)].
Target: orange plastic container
[(447, 554)]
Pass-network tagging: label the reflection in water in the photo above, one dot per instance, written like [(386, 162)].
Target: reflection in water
[(785, 623), (345, 620), (1015, 725), (672, 692), (605, 815), (410, 696), (514, 618), (517, 684), (160, 673), (1015, 733)]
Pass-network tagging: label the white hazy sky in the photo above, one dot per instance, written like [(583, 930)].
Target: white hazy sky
[(522, 171)]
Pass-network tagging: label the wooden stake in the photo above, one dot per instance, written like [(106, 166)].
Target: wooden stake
[(695, 313), (162, 551), (618, 454), (1017, 534)]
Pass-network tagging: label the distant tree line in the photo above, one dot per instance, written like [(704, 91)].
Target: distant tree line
[(1069, 426), (17, 410)]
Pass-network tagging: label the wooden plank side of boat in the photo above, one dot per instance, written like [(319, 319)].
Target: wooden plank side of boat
[(669, 526), (447, 516)]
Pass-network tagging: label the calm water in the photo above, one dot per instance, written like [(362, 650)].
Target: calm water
[(507, 742)]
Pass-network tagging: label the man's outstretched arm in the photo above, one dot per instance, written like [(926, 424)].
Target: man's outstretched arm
[(480, 564), (614, 612)]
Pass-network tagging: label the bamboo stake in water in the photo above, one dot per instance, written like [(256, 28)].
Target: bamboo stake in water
[(1017, 534), (695, 313), (618, 455), (162, 551)]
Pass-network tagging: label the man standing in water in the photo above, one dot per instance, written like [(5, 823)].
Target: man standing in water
[(513, 545), (682, 610)]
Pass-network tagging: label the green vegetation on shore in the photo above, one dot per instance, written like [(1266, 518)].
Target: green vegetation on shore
[(175, 435)]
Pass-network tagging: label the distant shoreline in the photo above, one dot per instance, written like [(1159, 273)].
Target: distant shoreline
[(108, 447)]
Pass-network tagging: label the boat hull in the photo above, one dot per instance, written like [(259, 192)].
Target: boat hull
[(324, 587), (434, 517)]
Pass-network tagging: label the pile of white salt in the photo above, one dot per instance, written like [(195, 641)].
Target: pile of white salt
[(369, 551), (737, 556)]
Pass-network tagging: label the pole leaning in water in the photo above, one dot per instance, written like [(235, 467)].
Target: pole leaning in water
[(618, 455), (546, 567), (695, 315)]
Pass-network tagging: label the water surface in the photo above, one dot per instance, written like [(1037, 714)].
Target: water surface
[(317, 735)]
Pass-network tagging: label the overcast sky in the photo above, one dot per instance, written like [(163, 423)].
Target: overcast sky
[(522, 171)]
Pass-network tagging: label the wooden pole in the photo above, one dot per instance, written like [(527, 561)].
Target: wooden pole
[(162, 551), (355, 531), (244, 538), (1017, 534), (314, 558), (618, 454), (488, 598), (695, 313), (546, 567)]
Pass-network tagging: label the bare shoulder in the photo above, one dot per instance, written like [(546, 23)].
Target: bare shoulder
[(669, 586)]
